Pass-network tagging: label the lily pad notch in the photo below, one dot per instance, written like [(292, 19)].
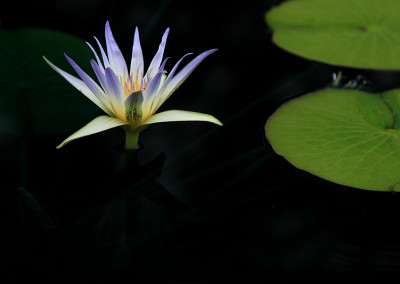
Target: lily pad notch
[(348, 137)]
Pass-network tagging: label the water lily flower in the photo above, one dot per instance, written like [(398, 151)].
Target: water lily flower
[(130, 99)]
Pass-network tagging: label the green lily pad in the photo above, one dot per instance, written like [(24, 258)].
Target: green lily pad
[(33, 97), (352, 33), (345, 136)]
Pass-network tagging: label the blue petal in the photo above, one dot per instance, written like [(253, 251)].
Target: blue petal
[(150, 93), (103, 54), (163, 64), (155, 63), (100, 75), (116, 92), (171, 74), (115, 57), (82, 87), (137, 64), (92, 85), (172, 83), (97, 58)]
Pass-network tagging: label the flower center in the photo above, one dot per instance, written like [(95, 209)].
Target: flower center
[(129, 87), (133, 84)]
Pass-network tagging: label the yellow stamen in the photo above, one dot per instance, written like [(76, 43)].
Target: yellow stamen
[(131, 86)]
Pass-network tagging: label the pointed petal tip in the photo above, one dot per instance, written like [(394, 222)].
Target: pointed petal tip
[(93, 63), (62, 144), (48, 62), (71, 61), (212, 50), (136, 35), (67, 57), (165, 35), (107, 28), (212, 119), (108, 70), (59, 146), (217, 121)]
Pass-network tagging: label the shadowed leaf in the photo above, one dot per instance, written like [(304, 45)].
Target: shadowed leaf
[(33, 97), (352, 33)]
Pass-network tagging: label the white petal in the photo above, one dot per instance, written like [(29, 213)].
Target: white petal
[(99, 124), (81, 86), (181, 115)]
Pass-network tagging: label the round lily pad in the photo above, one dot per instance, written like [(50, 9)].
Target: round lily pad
[(345, 136), (33, 97), (351, 33)]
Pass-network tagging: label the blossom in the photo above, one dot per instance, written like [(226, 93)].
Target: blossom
[(130, 99)]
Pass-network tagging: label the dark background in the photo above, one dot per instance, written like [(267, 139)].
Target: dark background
[(236, 212)]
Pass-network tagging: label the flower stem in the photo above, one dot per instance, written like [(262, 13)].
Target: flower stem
[(131, 142)]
